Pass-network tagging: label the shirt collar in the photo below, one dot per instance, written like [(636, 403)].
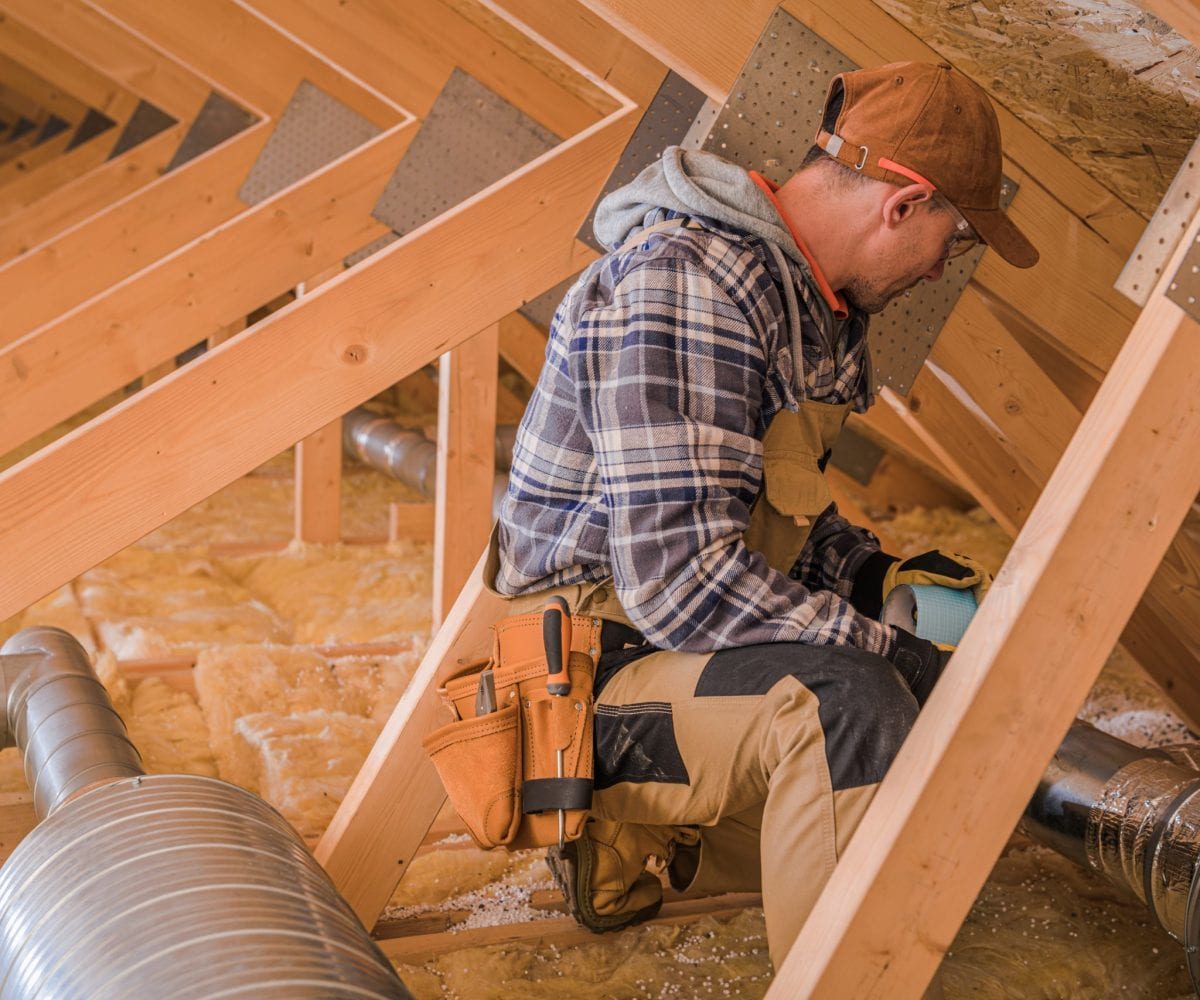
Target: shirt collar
[(836, 302)]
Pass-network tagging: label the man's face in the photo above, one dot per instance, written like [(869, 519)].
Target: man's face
[(902, 257)]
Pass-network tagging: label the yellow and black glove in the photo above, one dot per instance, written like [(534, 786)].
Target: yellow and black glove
[(881, 573)]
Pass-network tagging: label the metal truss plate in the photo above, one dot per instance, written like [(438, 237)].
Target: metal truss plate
[(855, 455), (471, 138), (94, 123), (1184, 289), (145, 123), (314, 129), (1165, 230), (217, 120), (667, 121), (541, 309), (769, 123)]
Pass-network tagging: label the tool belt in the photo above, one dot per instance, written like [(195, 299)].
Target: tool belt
[(517, 761)]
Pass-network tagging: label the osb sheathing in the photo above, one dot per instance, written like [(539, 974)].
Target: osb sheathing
[(1108, 84)]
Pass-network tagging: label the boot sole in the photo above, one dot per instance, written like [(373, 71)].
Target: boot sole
[(564, 866)]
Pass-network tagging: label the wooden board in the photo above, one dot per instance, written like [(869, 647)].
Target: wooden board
[(318, 485), (466, 463)]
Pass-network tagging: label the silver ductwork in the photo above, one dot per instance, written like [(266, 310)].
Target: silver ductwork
[(165, 886), (1132, 815), (410, 456)]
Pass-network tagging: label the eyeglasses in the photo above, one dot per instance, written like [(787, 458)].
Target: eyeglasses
[(964, 239)]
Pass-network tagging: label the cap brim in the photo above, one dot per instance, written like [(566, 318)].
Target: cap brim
[(997, 231)]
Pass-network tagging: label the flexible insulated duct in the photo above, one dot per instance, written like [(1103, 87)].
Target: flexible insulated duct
[(171, 886), (1132, 815), (409, 455)]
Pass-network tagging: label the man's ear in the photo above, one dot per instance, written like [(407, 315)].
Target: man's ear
[(902, 203)]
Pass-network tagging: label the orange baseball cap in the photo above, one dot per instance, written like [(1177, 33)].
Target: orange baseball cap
[(920, 123)]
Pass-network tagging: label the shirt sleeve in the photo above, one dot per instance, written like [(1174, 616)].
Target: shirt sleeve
[(671, 375), (834, 553)]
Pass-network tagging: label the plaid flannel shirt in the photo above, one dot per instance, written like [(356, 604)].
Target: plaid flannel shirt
[(640, 454)]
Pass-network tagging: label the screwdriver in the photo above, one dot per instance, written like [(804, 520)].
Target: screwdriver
[(556, 637)]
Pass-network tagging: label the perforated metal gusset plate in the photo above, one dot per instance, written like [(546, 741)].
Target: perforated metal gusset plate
[(1184, 289), (217, 120), (472, 137), (1162, 235), (314, 129), (769, 123), (855, 455), (541, 310), (145, 123), (54, 126), (387, 239), (93, 124), (666, 122)]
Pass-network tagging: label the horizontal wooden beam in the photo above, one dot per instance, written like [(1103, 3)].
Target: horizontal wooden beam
[(179, 300), (85, 496), (1097, 534)]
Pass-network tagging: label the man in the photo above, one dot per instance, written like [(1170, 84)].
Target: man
[(667, 478)]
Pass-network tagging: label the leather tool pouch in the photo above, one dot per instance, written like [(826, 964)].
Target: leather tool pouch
[(500, 769)]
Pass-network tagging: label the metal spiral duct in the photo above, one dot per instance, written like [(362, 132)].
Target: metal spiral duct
[(410, 456), (165, 886), (1133, 815)]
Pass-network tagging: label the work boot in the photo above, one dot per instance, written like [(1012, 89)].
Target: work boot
[(603, 874)]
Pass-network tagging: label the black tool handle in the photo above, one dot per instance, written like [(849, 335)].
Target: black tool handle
[(556, 635)]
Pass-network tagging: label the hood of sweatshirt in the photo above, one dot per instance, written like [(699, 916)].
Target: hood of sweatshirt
[(693, 183)]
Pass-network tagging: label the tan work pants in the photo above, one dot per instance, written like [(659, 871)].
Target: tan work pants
[(773, 751)]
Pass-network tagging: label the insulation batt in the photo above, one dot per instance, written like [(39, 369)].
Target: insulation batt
[(344, 594)]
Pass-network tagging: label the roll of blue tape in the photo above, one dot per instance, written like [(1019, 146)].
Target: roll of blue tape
[(939, 614)]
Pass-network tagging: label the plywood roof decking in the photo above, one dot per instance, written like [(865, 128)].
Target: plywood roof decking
[(1108, 84)]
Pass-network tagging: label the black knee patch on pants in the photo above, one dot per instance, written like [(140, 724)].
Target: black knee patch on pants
[(864, 706), (637, 743)]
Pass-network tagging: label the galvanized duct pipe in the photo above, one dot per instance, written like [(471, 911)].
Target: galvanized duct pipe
[(1134, 816), (155, 886), (58, 713), (409, 455)]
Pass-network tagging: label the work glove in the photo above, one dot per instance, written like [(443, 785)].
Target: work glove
[(882, 573), (919, 661)]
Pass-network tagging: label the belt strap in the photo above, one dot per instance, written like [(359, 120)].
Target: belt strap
[(545, 794)]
